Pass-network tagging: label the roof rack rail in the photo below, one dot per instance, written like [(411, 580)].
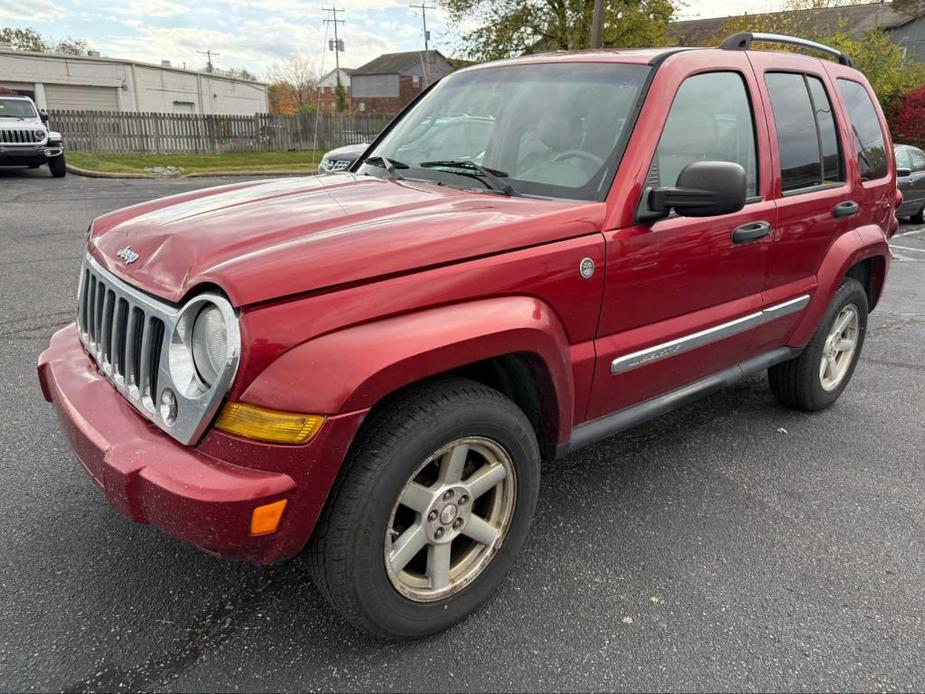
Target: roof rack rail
[(743, 42)]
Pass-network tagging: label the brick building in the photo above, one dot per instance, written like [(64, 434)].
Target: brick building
[(388, 83), (905, 28), (327, 98)]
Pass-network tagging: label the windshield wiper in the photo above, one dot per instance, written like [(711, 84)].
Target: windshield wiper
[(491, 177), (390, 165)]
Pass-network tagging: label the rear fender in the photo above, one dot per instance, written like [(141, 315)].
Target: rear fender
[(354, 368), (848, 250)]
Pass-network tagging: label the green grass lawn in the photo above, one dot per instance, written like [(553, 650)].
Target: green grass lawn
[(255, 162)]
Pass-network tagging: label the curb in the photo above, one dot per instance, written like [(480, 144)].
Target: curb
[(229, 174), (89, 173)]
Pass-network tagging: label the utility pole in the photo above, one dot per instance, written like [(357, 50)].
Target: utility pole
[(597, 24), (423, 7), (337, 45), (208, 53)]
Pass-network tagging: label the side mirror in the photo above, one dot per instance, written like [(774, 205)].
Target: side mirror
[(43, 114), (704, 189), (902, 172)]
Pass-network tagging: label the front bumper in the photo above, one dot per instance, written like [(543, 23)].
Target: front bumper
[(150, 478), (24, 155)]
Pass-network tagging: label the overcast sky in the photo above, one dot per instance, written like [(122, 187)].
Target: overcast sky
[(256, 34)]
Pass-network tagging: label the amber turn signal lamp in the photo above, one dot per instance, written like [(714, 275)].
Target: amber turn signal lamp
[(259, 423), (265, 519)]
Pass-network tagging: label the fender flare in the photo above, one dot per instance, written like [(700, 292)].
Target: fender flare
[(354, 368), (848, 250)]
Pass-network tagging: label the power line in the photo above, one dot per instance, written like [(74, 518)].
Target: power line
[(423, 8), (208, 53), (337, 45)]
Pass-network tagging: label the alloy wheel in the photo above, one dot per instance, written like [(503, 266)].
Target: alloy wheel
[(840, 347), (450, 519)]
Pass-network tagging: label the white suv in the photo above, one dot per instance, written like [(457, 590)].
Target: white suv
[(24, 138)]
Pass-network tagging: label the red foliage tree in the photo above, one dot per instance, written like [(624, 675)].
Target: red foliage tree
[(908, 125)]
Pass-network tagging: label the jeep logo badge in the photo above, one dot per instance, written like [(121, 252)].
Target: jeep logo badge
[(128, 254)]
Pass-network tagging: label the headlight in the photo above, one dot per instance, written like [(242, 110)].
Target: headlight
[(204, 346), (39, 135), (325, 164), (210, 343)]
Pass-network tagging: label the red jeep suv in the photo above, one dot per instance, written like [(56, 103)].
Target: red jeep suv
[(536, 254)]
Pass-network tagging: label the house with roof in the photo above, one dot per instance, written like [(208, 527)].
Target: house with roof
[(391, 81), (327, 85), (906, 29)]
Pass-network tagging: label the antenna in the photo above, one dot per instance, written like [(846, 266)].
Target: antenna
[(336, 45), (423, 7), (208, 53)]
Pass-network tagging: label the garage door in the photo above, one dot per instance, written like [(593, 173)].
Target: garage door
[(81, 98), (23, 88)]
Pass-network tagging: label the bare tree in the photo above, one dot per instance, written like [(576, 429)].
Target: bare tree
[(72, 46), (299, 73)]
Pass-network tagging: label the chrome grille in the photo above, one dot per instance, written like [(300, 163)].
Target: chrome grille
[(17, 137), (123, 335), (128, 334)]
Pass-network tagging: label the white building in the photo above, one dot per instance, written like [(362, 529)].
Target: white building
[(109, 84), (329, 81)]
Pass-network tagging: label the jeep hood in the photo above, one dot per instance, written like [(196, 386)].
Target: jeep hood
[(261, 241)]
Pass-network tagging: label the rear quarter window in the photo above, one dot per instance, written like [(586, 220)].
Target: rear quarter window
[(868, 135)]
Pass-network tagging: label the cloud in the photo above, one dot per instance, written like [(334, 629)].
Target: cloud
[(21, 10), (254, 44), (151, 8)]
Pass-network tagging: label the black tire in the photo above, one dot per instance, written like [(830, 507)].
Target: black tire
[(918, 217), (58, 166), (347, 551), (797, 383)]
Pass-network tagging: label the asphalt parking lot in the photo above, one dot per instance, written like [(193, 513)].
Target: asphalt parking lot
[(733, 545)]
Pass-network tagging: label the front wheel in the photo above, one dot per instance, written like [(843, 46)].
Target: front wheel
[(435, 500), (918, 217), (58, 166), (815, 379)]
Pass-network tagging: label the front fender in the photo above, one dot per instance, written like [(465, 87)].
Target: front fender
[(354, 368), (848, 250)]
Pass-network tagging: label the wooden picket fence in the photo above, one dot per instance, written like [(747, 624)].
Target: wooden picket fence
[(109, 132)]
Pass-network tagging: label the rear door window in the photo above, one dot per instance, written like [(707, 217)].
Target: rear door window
[(903, 160), (918, 160), (868, 135), (810, 154)]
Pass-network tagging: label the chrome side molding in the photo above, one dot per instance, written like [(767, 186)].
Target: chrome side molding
[(705, 337)]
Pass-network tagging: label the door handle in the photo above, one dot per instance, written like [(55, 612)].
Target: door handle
[(751, 232), (846, 209)]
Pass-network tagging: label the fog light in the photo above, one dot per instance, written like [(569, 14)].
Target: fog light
[(260, 423), (168, 407), (265, 519)]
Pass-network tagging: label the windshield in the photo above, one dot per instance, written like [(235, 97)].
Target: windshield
[(554, 130), (16, 108)]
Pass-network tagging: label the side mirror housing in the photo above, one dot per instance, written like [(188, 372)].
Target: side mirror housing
[(902, 172), (704, 189), (43, 114)]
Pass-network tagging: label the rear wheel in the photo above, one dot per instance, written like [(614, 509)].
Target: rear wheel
[(431, 509), (815, 379), (58, 166)]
